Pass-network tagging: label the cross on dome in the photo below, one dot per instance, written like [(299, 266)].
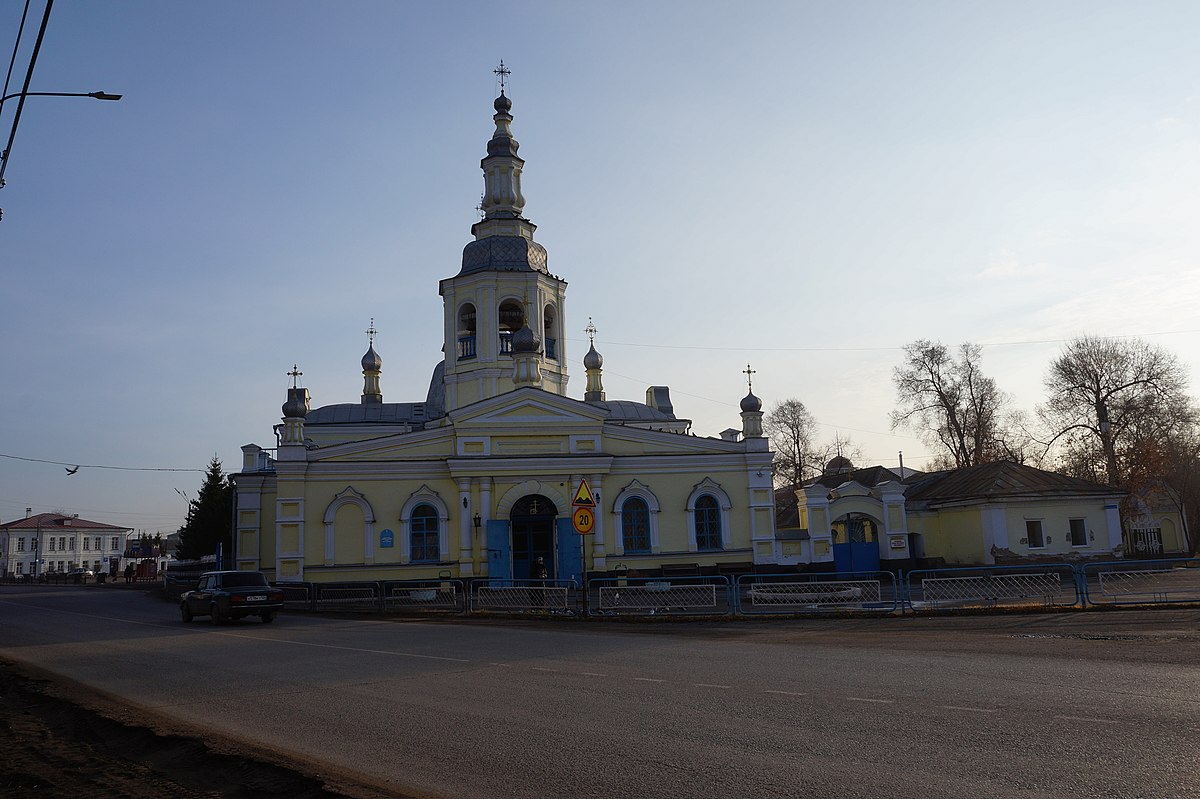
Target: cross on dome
[(371, 331), (502, 72), (295, 375), (749, 380), (591, 332)]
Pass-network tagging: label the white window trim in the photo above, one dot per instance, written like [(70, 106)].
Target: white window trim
[(713, 488), (643, 492), (424, 496)]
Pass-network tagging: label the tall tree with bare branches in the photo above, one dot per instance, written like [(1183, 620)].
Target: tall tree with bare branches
[(953, 405), (791, 429), (1112, 406)]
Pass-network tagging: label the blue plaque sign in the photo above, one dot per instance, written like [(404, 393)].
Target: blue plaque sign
[(387, 539)]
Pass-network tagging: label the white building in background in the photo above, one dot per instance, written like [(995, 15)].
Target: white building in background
[(55, 542)]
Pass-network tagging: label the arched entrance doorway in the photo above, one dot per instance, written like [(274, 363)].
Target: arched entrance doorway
[(856, 542), (532, 526)]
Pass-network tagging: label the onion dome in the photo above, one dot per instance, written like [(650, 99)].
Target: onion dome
[(295, 408), (593, 359), (837, 464), (502, 105), (525, 340), (751, 403), (371, 362)]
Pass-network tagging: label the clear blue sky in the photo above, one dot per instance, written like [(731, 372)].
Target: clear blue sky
[(804, 186)]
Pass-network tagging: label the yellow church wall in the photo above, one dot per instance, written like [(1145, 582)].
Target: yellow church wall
[(955, 535)]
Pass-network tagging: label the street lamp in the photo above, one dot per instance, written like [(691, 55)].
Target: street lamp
[(17, 119)]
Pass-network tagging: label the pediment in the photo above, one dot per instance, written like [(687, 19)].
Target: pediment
[(400, 446), (850, 489), (524, 408)]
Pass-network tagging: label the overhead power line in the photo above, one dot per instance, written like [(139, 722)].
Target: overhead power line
[(100, 465)]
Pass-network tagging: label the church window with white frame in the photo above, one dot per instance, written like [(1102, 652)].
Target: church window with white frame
[(424, 535), (635, 526), (708, 523)]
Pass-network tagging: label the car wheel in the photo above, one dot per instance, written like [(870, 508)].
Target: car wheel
[(185, 612), (216, 616), (267, 617)]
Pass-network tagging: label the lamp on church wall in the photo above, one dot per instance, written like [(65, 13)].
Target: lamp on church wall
[(477, 520)]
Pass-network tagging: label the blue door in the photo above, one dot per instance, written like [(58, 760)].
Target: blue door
[(499, 551), (860, 553), (569, 563)]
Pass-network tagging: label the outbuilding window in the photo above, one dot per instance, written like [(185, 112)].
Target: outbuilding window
[(635, 526)]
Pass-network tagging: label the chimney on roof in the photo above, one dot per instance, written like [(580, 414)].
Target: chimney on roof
[(28, 512)]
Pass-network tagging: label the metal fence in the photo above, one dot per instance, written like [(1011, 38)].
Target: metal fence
[(1031, 586), (840, 592), (525, 596), (1028, 586), (1141, 582), (660, 596)]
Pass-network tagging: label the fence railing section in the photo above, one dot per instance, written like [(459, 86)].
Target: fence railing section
[(1141, 582), (656, 596), (525, 596), (874, 592), (1034, 585), (424, 596)]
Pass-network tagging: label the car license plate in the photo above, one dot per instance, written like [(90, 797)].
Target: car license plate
[(258, 598)]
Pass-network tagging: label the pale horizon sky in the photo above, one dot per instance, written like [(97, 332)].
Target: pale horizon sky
[(802, 186)]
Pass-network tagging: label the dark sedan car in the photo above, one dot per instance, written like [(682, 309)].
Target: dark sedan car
[(227, 595)]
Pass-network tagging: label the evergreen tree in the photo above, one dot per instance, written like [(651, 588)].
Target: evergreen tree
[(209, 518)]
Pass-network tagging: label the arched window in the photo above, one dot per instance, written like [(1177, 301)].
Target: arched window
[(512, 319), (550, 333), (466, 332), (708, 523), (635, 526), (423, 534)]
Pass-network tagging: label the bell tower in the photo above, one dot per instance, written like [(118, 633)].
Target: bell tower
[(503, 287)]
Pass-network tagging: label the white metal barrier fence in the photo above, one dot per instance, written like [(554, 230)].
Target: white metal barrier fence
[(656, 596), (874, 592), (525, 596), (1142, 582), (1050, 585)]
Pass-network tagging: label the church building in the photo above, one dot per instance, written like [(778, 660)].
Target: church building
[(478, 479)]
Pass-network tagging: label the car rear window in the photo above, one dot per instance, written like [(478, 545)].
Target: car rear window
[(249, 578)]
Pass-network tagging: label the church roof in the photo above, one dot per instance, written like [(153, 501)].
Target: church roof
[(354, 413), (628, 410), (1003, 479)]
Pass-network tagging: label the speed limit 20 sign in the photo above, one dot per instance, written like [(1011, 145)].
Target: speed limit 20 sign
[(584, 520)]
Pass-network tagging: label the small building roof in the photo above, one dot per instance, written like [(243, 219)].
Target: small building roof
[(53, 521), (355, 413), (1002, 479)]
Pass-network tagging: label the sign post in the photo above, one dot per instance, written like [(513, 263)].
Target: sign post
[(584, 519)]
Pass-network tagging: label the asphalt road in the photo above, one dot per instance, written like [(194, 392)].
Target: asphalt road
[(1062, 705)]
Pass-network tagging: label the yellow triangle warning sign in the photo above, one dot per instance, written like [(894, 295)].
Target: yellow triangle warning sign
[(583, 497)]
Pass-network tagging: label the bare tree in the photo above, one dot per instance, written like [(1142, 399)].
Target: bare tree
[(954, 406), (1111, 406), (791, 427)]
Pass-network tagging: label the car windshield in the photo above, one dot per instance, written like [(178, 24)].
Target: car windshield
[(238, 580)]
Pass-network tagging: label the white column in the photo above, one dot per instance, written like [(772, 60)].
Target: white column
[(464, 527), (599, 561), (995, 531), (485, 511)]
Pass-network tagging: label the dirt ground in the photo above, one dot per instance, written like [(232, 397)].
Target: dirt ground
[(55, 747)]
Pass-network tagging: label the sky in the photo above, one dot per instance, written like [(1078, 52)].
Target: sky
[(803, 187)]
